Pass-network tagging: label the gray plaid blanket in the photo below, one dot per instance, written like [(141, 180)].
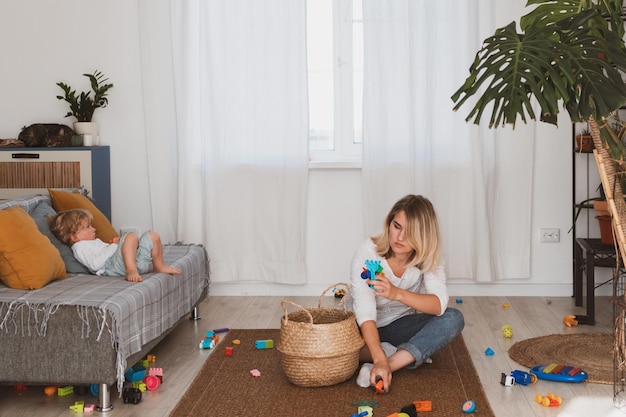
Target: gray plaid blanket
[(138, 312)]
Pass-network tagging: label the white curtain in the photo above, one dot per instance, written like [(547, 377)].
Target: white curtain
[(417, 54), (226, 116)]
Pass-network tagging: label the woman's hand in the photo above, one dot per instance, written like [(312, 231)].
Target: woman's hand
[(381, 371), (384, 287)]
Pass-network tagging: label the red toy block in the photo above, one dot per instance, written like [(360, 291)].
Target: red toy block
[(228, 351)]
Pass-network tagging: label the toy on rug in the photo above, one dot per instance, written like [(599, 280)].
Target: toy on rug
[(406, 411), (570, 320), (469, 407), (559, 373)]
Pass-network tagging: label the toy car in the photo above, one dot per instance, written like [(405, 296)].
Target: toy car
[(517, 377), (131, 395)]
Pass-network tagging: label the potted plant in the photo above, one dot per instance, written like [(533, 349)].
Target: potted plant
[(569, 54), (83, 106)]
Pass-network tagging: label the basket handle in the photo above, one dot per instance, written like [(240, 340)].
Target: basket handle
[(297, 305), (343, 300)]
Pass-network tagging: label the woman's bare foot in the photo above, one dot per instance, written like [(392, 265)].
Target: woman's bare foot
[(166, 269)]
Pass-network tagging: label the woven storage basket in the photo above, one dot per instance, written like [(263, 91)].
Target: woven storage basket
[(319, 346)]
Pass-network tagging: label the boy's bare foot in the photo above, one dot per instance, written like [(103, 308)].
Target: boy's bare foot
[(168, 270), (133, 276)]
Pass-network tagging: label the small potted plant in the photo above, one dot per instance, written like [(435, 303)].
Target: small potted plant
[(83, 106)]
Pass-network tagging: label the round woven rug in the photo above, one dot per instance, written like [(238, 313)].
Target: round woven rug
[(592, 352)]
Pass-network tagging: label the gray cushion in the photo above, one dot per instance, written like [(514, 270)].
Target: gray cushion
[(40, 215)]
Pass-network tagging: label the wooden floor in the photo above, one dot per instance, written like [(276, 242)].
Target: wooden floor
[(180, 357)]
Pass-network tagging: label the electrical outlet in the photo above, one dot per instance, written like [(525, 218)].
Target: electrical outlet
[(550, 235)]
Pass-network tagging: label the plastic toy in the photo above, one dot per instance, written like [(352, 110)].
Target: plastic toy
[(459, 301), (50, 390), (506, 305), (406, 411), (489, 351), (141, 386), (158, 372), (264, 344), (255, 373), (236, 342), (136, 373), (380, 386), (228, 351), (570, 320), (361, 414), (469, 407), (131, 395), (549, 400), (221, 330), (207, 344), (20, 387), (367, 409), (339, 292), (152, 382), (78, 407), (63, 391), (423, 405), (507, 331), (371, 269), (151, 358), (517, 377), (89, 408), (559, 373)]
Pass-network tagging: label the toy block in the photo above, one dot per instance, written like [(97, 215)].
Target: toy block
[(89, 408), (78, 407), (423, 405), (264, 344), (151, 358), (140, 386), (210, 334), (158, 372), (63, 391), (228, 351), (136, 373)]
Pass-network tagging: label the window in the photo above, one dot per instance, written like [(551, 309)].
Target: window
[(335, 69)]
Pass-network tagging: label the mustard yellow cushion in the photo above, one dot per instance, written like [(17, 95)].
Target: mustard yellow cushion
[(62, 200), (27, 258)]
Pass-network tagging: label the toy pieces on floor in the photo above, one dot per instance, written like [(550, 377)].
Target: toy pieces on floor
[(559, 373)]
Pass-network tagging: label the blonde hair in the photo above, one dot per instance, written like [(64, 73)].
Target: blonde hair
[(422, 232), (66, 223)]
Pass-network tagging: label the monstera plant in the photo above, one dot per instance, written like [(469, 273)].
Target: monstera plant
[(567, 55)]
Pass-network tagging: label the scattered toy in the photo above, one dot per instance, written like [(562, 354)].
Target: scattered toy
[(459, 301), (228, 351), (549, 400), (264, 344), (131, 395), (255, 372), (78, 407), (221, 330), (236, 342), (559, 373), (50, 390), (469, 407), (506, 305), (570, 320), (151, 358), (63, 391), (507, 331), (367, 409), (426, 405), (152, 382), (489, 351)]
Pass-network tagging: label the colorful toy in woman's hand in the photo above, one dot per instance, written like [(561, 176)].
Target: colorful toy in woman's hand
[(371, 269)]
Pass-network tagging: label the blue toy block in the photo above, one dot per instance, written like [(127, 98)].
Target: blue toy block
[(264, 344)]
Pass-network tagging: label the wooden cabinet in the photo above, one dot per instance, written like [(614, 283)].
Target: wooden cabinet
[(26, 171)]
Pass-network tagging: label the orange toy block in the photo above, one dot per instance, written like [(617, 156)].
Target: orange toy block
[(423, 405)]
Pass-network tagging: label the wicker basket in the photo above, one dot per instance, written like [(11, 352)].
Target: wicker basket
[(319, 346)]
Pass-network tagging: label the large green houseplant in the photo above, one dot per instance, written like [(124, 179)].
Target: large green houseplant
[(569, 55)]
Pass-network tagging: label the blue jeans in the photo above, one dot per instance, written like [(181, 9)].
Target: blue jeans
[(423, 334)]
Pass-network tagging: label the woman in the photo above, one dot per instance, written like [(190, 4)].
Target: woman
[(398, 293)]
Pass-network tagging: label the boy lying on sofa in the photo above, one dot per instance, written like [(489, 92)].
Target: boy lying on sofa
[(129, 256)]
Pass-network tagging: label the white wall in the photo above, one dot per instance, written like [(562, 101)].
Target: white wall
[(44, 42)]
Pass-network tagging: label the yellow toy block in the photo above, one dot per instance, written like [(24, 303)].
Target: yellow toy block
[(63, 391), (78, 407)]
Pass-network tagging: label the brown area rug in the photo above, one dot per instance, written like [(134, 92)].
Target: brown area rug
[(225, 387), (592, 352)]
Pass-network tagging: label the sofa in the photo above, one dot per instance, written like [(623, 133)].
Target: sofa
[(60, 325)]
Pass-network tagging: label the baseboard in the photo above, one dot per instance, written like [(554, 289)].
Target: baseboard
[(455, 289)]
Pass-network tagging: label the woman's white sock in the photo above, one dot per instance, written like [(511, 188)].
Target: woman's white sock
[(363, 379)]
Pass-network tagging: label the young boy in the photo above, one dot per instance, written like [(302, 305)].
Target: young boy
[(128, 256)]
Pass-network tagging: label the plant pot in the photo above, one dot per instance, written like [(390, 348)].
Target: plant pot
[(601, 207), (86, 128), (584, 143), (606, 230)]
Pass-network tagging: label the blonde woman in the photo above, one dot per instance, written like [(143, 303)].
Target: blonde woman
[(398, 293)]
